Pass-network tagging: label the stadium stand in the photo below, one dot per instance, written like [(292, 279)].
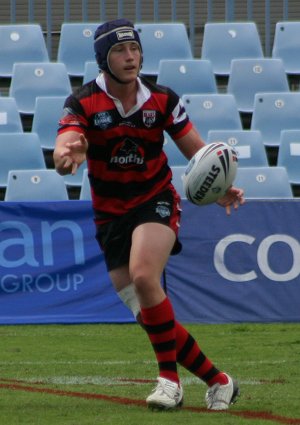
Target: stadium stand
[(76, 46), (286, 45), (19, 151), (175, 157), (289, 154), (189, 76), (85, 189), (162, 41), (10, 119), (250, 76), (21, 43), (47, 111), (248, 145), (91, 71), (30, 80), (264, 182), (274, 112), (212, 111), (35, 185), (224, 41)]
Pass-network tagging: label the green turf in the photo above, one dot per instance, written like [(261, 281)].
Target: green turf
[(47, 371)]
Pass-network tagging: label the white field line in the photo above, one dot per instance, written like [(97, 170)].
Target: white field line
[(120, 381), (122, 362)]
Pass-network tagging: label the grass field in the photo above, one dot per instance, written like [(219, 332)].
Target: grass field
[(101, 374)]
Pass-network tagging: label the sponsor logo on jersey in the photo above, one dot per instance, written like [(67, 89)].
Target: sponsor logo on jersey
[(102, 119), (128, 154), (149, 118)]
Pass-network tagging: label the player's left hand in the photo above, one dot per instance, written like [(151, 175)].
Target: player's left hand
[(234, 197)]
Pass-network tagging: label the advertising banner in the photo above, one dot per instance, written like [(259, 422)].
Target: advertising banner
[(239, 268)]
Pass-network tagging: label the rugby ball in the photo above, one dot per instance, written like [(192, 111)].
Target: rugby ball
[(210, 173)]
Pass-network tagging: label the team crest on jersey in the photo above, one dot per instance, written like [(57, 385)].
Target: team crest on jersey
[(102, 120), (149, 117)]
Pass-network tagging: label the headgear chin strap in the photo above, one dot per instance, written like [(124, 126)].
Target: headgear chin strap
[(108, 35)]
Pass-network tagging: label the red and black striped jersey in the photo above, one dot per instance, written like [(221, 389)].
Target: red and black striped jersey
[(126, 162)]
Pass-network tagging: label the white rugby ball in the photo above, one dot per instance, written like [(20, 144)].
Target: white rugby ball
[(210, 173)]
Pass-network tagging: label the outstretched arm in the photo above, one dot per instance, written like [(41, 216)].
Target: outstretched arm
[(70, 152)]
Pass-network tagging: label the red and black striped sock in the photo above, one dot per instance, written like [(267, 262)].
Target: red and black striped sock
[(190, 356), (159, 324)]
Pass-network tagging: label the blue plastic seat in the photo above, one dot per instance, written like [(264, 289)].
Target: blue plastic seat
[(178, 171), (187, 76), (162, 41), (76, 179), (35, 185), (286, 45), (30, 80), (289, 154), (274, 112), (10, 119), (264, 182), (19, 151), (175, 156), (248, 145), (224, 41), (212, 112), (47, 112), (250, 76), (76, 46), (91, 71), (21, 43), (85, 190)]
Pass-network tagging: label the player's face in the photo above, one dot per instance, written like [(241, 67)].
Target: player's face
[(124, 61)]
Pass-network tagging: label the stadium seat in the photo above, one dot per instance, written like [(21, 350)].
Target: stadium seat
[(19, 151), (212, 112), (30, 80), (264, 182), (76, 46), (10, 119), (187, 76), (224, 41), (248, 145), (286, 45), (85, 190), (35, 185), (274, 112), (76, 179), (47, 113), (178, 171), (250, 76), (162, 41), (175, 157), (289, 154), (21, 43), (91, 71)]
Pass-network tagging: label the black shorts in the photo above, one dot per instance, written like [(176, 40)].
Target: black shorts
[(114, 237)]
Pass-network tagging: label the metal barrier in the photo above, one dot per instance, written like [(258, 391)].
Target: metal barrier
[(194, 13)]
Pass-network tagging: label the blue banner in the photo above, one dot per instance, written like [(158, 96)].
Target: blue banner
[(239, 268), (51, 268)]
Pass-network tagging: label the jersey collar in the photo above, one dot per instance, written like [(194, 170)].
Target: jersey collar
[(143, 94)]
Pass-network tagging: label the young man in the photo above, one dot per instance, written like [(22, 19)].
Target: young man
[(117, 123)]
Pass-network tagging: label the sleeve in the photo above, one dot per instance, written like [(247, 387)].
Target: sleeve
[(178, 123), (73, 117)]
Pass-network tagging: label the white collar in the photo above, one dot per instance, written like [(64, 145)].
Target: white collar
[(143, 94)]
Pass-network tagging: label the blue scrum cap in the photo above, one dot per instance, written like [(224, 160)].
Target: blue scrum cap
[(109, 34)]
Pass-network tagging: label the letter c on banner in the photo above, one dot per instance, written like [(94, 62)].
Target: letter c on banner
[(219, 262)]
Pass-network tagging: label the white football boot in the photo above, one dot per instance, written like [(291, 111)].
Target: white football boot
[(219, 397), (166, 395)]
